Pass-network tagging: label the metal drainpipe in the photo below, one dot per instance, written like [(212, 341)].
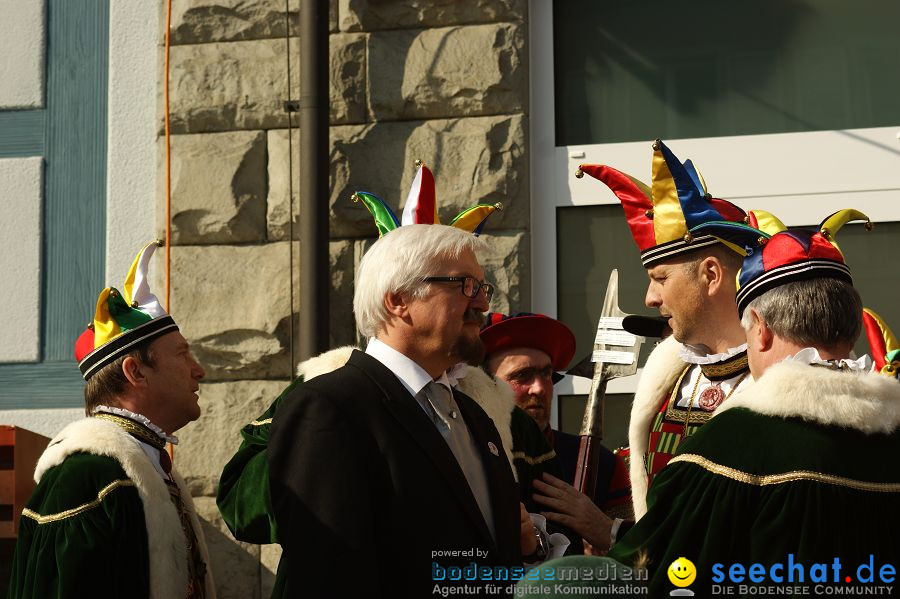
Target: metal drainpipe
[(313, 189)]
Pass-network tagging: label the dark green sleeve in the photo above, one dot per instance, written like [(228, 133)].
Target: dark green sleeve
[(532, 456), (694, 514), (82, 534), (243, 497)]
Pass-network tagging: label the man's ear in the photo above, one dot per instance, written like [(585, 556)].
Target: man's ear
[(712, 273), (133, 371), (761, 331), (767, 337), (396, 303)]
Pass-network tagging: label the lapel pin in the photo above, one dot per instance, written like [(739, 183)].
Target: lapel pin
[(493, 448)]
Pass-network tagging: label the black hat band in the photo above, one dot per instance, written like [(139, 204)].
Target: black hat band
[(124, 343), (789, 273), (664, 251)]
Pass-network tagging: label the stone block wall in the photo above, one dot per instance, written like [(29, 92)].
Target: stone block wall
[(438, 80)]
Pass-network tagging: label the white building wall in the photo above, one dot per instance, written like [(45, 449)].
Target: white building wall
[(131, 156), (43, 422), (20, 259), (22, 45)]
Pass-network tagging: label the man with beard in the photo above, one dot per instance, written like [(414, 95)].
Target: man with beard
[(382, 476), (692, 284)]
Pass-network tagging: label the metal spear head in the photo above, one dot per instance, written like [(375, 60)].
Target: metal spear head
[(615, 355), (615, 350)]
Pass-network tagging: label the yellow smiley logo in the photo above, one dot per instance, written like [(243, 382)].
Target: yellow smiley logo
[(682, 572)]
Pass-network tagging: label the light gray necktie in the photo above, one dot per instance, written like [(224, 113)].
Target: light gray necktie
[(450, 423)]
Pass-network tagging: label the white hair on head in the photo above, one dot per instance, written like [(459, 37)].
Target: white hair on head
[(820, 312), (398, 262)]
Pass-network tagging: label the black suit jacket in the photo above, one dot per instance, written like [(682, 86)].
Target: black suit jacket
[(367, 494)]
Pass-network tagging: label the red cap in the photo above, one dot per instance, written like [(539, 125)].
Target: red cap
[(501, 332)]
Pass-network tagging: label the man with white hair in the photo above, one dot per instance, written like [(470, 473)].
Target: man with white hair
[(382, 476), (798, 470)]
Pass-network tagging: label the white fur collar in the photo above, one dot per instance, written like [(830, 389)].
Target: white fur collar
[(494, 396), (165, 538), (868, 402), (657, 379), (325, 363)]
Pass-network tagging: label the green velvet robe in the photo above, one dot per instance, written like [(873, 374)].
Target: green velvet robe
[(532, 456), (802, 464), (243, 496), (102, 523), (83, 534)]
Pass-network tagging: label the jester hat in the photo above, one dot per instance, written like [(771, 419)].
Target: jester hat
[(885, 348), (764, 221), (750, 235), (660, 217), (421, 207), (786, 256), (123, 321)]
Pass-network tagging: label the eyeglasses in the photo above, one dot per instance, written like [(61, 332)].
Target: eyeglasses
[(527, 375), (470, 285)]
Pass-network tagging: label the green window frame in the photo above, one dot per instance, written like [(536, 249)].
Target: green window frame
[(70, 133)]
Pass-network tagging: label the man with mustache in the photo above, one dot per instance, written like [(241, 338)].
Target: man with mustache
[(526, 351), (382, 476)]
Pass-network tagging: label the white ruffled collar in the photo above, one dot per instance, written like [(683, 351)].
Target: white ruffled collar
[(810, 355), (139, 418), (699, 354)]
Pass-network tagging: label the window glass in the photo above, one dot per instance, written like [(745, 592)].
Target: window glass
[(629, 71), (593, 240), (616, 410), (868, 253)]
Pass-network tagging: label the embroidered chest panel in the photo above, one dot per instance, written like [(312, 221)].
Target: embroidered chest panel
[(671, 425)]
